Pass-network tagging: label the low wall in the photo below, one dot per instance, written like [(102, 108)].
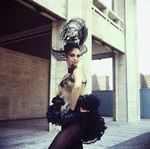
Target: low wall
[(106, 97), (145, 103)]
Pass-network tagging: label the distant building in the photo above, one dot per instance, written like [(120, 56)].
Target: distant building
[(145, 81), (100, 82)]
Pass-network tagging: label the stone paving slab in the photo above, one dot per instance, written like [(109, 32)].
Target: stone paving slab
[(31, 134)]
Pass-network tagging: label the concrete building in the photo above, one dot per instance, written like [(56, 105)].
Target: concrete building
[(29, 75), (145, 81), (100, 82)]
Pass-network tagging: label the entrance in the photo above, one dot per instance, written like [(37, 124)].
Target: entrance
[(25, 42)]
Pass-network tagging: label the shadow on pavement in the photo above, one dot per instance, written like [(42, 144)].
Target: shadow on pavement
[(140, 142), (15, 134)]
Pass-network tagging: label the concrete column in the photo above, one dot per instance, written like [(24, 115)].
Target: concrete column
[(74, 9), (87, 58), (126, 70), (120, 97), (57, 69), (132, 60), (83, 9)]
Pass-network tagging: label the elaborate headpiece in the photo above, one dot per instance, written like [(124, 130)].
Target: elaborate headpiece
[(74, 34)]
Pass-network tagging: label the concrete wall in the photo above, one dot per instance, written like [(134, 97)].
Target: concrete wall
[(100, 22), (57, 69), (23, 85), (86, 59), (104, 30), (57, 7)]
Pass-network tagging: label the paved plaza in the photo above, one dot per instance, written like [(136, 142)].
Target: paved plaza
[(33, 134)]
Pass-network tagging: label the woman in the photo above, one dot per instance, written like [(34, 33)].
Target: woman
[(75, 112)]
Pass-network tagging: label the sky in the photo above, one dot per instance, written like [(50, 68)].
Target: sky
[(104, 66), (143, 15)]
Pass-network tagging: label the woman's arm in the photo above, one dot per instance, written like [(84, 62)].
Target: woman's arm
[(76, 91)]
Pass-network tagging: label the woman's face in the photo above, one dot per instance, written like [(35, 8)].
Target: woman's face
[(73, 57)]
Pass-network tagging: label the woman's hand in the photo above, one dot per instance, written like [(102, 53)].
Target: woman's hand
[(83, 110)]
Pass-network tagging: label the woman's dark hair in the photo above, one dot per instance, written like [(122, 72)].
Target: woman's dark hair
[(68, 47)]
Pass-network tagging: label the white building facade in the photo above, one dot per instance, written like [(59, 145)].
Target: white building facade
[(111, 33)]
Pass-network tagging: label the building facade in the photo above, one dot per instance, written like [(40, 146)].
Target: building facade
[(100, 82), (145, 81), (30, 75)]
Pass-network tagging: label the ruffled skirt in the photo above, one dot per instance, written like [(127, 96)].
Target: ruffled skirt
[(93, 122)]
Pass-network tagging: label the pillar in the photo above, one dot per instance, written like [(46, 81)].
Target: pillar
[(75, 9), (119, 85), (83, 9), (57, 69), (126, 73)]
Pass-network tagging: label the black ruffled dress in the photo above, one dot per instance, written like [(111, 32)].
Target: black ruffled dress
[(60, 114)]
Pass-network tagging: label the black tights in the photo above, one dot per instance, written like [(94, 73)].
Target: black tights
[(69, 138)]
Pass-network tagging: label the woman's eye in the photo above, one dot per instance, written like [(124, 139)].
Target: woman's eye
[(72, 55)]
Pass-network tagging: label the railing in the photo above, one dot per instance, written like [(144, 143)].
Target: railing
[(100, 8)]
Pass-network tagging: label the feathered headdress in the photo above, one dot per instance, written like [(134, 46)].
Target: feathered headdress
[(74, 33)]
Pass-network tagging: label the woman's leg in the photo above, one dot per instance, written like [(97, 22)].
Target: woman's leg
[(76, 145), (69, 138)]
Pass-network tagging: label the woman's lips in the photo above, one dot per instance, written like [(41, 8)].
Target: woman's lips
[(74, 64)]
